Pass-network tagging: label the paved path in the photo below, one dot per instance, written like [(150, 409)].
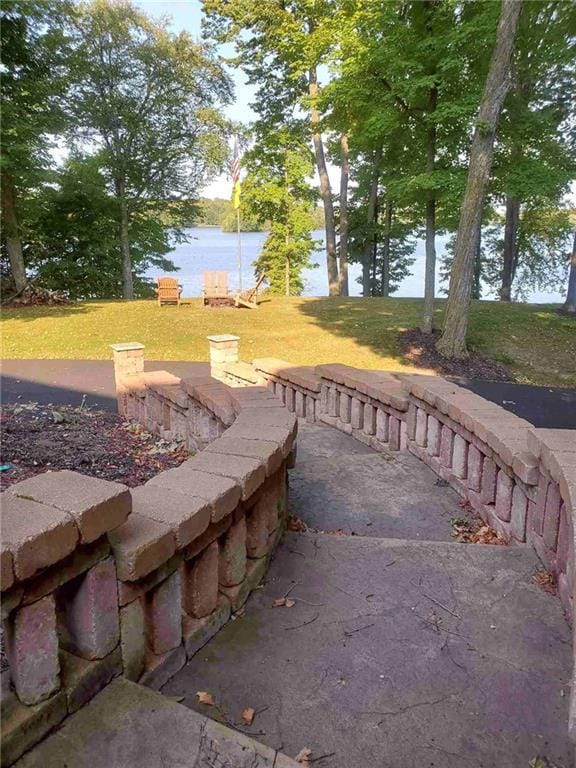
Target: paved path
[(403, 649), (66, 381), (129, 726)]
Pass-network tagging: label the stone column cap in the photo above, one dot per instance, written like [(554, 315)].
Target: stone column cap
[(223, 337), (127, 346)]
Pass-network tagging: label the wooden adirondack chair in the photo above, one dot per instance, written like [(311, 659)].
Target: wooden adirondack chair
[(215, 290), (249, 299), (168, 290)]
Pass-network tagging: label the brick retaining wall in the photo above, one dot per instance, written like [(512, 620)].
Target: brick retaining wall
[(98, 580), (521, 480)]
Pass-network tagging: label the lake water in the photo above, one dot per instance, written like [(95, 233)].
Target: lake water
[(211, 249)]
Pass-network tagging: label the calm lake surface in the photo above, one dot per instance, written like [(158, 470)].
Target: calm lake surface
[(211, 249)]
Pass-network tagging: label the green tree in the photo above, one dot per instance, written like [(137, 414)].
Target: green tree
[(452, 343), (277, 190), (535, 157), (570, 304), (72, 244), (148, 99), (406, 80), (282, 48), (35, 58)]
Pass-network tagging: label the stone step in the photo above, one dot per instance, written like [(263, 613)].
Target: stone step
[(129, 726), (396, 653)]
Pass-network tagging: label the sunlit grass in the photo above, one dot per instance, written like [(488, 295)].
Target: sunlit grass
[(537, 344)]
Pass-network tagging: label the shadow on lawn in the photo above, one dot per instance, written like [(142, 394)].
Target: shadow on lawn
[(32, 312), (372, 322)]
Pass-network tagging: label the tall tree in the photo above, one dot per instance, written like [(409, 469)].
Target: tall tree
[(281, 47), (277, 190), (535, 155), (343, 229), (408, 76), (570, 304), (35, 59), (453, 340), (149, 100)]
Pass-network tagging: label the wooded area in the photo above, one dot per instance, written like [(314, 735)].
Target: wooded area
[(440, 117)]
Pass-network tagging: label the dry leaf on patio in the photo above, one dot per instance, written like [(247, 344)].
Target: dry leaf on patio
[(283, 602), (248, 715), (304, 756), (205, 698), (546, 581), (296, 525)]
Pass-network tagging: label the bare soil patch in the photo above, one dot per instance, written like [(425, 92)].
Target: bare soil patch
[(36, 438), (419, 349)]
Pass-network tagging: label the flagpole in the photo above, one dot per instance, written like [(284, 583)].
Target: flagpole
[(239, 249)]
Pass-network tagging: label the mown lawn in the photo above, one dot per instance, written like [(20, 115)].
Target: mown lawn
[(535, 343)]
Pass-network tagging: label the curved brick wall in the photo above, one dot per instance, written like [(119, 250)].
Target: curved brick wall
[(98, 580), (521, 480)]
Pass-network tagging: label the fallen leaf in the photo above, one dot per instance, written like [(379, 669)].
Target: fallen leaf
[(304, 756), (546, 581), (283, 602), (248, 715), (205, 698)]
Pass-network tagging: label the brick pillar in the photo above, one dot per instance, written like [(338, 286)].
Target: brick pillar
[(223, 350), (201, 582), (32, 650), (164, 614), (133, 638), (89, 612), (128, 361), (233, 555)]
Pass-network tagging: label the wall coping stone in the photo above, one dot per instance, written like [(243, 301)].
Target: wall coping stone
[(140, 546), (127, 346), (187, 516), (97, 505), (37, 535), (223, 337)]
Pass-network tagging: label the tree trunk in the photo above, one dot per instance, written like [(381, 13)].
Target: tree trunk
[(570, 303), (453, 340), (386, 249), (12, 233), (510, 250), (344, 176), (430, 268), (127, 278), (477, 284), (325, 188), (371, 222)]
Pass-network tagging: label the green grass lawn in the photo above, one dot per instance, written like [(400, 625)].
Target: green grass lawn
[(537, 345)]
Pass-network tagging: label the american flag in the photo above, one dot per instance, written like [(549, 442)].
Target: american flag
[(235, 164)]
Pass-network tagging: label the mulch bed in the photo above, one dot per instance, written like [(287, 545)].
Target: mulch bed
[(36, 438), (419, 349)]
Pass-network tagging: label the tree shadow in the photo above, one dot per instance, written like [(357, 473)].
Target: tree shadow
[(73, 382), (28, 313), (373, 323)]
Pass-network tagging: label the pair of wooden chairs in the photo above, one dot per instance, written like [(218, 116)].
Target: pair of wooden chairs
[(215, 291)]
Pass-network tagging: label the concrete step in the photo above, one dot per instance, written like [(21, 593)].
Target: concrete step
[(129, 726), (396, 653)]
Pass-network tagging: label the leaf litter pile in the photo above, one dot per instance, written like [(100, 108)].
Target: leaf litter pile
[(36, 438)]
